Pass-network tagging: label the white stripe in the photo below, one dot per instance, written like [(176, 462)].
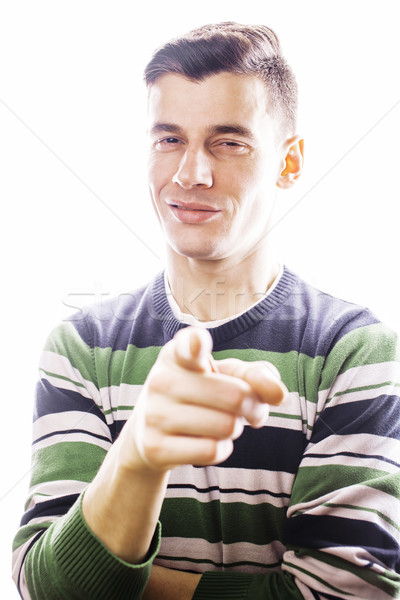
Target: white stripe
[(18, 557), (64, 384), (366, 444), (200, 549), (226, 477), (60, 488), (57, 364), (357, 556), (353, 587), (366, 375), (40, 520), (125, 394), (351, 461), (228, 497), (293, 406), (359, 395), (67, 420), (304, 589)]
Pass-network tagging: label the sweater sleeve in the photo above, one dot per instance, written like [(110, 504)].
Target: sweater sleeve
[(342, 529), (55, 554)]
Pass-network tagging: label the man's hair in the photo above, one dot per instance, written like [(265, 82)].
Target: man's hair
[(233, 48)]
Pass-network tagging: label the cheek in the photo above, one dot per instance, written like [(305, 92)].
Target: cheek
[(152, 173), (160, 170)]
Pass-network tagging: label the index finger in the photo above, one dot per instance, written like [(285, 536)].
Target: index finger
[(192, 349)]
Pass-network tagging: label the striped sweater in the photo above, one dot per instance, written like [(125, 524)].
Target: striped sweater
[(308, 506)]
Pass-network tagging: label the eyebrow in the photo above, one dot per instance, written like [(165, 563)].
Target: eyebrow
[(213, 130), (166, 127), (231, 128)]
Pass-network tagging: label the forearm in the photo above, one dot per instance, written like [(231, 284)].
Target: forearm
[(68, 561), (122, 504), (170, 584)]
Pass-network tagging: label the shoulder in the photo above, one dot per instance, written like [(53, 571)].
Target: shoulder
[(111, 322), (325, 321)]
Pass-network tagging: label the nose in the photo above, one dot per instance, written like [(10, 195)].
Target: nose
[(194, 170)]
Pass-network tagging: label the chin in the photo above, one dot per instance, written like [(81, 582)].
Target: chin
[(197, 251)]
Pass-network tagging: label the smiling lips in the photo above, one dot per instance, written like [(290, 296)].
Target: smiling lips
[(192, 212)]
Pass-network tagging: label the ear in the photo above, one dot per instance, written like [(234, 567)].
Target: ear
[(292, 164)]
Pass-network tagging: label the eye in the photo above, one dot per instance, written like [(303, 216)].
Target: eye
[(167, 143), (230, 147)]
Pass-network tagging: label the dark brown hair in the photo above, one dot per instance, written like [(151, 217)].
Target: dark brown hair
[(234, 48)]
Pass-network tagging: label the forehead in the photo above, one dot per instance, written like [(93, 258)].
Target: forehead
[(224, 97)]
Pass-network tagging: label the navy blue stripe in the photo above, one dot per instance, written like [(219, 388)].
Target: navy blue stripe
[(127, 319), (309, 531), (52, 400), (216, 488), (377, 416), (271, 448), (294, 317), (67, 431), (54, 507)]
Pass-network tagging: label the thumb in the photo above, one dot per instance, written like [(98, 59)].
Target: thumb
[(193, 347)]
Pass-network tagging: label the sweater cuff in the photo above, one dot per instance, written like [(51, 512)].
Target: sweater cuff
[(87, 566), (222, 586)]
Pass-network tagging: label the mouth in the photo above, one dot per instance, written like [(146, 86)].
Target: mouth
[(192, 213), (193, 206)]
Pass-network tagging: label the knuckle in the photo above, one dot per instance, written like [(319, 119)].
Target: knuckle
[(154, 420), (153, 449), (236, 396), (227, 426), (158, 381)]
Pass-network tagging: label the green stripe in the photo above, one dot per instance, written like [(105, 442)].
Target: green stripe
[(372, 344), (299, 372), (285, 416), (28, 531), (65, 341), (289, 365), (115, 409), (76, 461), (130, 366), (313, 482), (388, 483), (229, 522)]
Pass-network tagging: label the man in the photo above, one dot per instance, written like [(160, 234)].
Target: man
[(157, 472)]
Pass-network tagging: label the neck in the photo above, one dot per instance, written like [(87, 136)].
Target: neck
[(213, 290)]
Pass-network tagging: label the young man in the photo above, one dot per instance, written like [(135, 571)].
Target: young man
[(157, 471)]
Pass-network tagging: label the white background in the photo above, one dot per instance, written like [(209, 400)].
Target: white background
[(74, 200)]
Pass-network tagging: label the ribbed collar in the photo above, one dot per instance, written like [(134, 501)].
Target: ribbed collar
[(234, 327)]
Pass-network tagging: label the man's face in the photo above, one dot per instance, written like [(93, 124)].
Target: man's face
[(215, 159)]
